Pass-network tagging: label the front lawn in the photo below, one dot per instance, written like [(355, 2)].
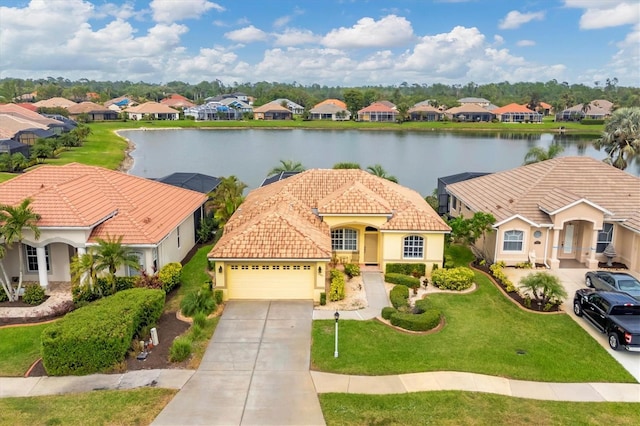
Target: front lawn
[(109, 407), (19, 348), (469, 408), (194, 275), (484, 333)]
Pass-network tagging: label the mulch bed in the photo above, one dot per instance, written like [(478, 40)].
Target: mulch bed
[(18, 303)]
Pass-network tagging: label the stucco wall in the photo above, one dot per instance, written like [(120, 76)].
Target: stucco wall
[(392, 244)]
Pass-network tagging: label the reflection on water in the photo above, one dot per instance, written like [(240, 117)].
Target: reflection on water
[(417, 159)]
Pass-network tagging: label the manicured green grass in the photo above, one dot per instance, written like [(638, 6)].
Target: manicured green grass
[(469, 408), (483, 334), (200, 343), (19, 348), (194, 276), (111, 407)]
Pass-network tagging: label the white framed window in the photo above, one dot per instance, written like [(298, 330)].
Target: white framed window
[(605, 237), (286, 267), (306, 268), (32, 258), (178, 234), (413, 247), (265, 267), (234, 267), (344, 239), (513, 240), (254, 267), (244, 267), (133, 272)]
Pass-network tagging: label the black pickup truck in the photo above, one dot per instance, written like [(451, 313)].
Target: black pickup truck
[(614, 314)]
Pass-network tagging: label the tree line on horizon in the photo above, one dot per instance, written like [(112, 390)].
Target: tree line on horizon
[(560, 95)]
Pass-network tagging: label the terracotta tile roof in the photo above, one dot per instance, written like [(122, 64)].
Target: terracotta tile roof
[(151, 108), (54, 102), (75, 195), (377, 107), (548, 185), (327, 109), (27, 114), (467, 108), (85, 107), (283, 219), (424, 108), (512, 108), (271, 106), (10, 125), (336, 102)]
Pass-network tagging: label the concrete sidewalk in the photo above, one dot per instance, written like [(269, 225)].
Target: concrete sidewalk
[(452, 380), (38, 386)]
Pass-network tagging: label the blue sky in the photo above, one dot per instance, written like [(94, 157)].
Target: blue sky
[(330, 42)]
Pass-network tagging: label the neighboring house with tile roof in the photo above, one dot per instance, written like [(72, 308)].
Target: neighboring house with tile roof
[(272, 111), (329, 111), (469, 112), (424, 112), (567, 208), (78, 204), (93, 111), (296, 109), (332, 101), (155, 110), (598, 109), (55, 125), (377, 112), (516, 113), (281, 240), (23, 130), (54, 103), (175, 100), (476, 101)]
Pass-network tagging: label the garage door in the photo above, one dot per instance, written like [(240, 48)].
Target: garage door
[(270, 281)]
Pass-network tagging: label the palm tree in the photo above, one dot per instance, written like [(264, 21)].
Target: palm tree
[(378, 170), (4, 280), (621, 137), (14, 220), (287, 166), (537, 154), (110, 255), (226, 198), (83, 269)]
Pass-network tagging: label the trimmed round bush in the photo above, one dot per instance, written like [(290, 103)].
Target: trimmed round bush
[(425, 321), (387, 311), (33, 294), (170, 276), (399, 296), (180, 349), (406, 280)]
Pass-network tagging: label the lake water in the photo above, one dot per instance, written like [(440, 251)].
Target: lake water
[(417, 159)]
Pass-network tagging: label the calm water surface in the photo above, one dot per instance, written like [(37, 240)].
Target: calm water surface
[(417, 159)]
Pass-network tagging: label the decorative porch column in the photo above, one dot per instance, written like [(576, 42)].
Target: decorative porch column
[(592, 262), (554, 262), (42, 266)]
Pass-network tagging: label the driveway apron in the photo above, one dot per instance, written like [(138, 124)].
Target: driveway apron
[(254, 372)]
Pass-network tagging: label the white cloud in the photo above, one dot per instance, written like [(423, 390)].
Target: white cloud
[(295, 37), (168, 11), (498, 40), (525, 43), (515, 19), (604, 14), (248, 34), (390, 31)]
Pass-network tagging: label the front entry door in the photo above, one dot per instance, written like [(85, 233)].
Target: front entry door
[(371, 248), (568, 247)]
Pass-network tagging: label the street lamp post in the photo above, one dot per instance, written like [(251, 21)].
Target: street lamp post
[(337, 317)]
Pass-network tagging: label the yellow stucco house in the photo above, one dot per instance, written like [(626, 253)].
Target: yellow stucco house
[(280, 242), (559, 212)]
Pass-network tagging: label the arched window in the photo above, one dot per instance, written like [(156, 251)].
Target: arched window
[(513, 240), (413, 247), (344, 239)]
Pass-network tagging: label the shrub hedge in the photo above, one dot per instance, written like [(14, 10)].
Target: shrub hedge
[(406, 280), (416, 322), (96, 337), (387, 311), (406, 268), (103, 287), (336, 291), (170, 275), (33, 294), (399, 296), (352, 270), (459, 278)]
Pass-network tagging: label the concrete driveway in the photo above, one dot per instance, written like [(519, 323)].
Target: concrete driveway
[(573, 279), (254, 372)]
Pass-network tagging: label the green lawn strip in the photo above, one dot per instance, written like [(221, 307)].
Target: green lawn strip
[(469, 408), (109, 407), (19, 348), (194, 275), (200, 343), (483, 334)]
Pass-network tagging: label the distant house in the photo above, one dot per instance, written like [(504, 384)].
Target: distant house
[(175, 100), (80, 204), (543, 108), (154, 110), (93, 111), (272, 111), (424, 112), (598, 109), (332, 101), (121, 102), (515, 113), (23, 130), (555, 212), (213, 111), (470, 112), (476, 101), (330, 111), (55, 125), (378, 112), (237, 104), (10, 146), (54, 103), (295, 108)]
